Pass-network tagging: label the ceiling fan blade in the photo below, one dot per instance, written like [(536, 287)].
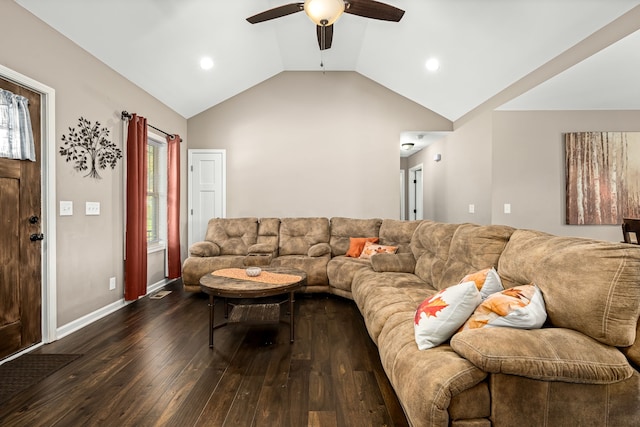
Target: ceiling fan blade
[(324, 40), (373, 9), (276, 12)]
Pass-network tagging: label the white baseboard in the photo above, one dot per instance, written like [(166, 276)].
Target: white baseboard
[(88, 319)]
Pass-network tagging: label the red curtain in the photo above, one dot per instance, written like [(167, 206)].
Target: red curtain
[(173, 206), (135, 270)]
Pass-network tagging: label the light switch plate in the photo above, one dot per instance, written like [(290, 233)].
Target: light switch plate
[(507, 208), (92, 208), (472, 208), (66, 208)]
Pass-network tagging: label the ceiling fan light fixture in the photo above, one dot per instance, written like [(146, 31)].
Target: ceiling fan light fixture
[(324, 12)]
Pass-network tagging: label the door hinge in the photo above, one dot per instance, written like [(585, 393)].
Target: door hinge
[(191, 211), (191, 168)]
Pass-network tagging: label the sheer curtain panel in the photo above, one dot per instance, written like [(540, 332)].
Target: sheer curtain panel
[(16, 136)]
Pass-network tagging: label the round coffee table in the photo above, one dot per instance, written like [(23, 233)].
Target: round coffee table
[(234, 283)]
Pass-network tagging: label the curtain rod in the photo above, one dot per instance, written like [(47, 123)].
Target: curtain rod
[(127, 116)]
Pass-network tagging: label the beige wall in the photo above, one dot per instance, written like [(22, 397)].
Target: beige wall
[(529, 171), (512, 157), (312, 144), (89, 248), (463, 175)]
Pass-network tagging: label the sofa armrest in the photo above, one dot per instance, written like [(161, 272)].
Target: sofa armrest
[(261, 248), (393, 263), (204, 249), (550, 354), (319, 249)]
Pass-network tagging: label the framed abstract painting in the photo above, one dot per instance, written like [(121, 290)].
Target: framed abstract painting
[(602, 177)]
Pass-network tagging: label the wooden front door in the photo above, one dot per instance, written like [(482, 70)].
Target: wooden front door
[(20, 256)]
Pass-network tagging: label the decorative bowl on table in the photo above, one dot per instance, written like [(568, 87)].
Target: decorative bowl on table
[(253, 271)]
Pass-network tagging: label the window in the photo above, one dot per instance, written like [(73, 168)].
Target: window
[(156, 193), (152, 194)]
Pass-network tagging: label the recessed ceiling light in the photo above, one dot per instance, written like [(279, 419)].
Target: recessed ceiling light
[(206, 63), (432, 64)]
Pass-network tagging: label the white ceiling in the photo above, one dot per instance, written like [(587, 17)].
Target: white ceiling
[(484, 46)]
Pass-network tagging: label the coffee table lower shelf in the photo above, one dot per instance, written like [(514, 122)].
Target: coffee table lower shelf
[(254, 313), (251, 312)]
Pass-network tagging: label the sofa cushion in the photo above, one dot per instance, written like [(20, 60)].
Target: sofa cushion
[(473, 247), (439, 316), (315, 267), (268, 233), (380, 295), (590, 286), (371, 249), (356, 245), (425, 381), (344, 228), (341, 271), (233, 235), (633, 351), (261, 248), (394, 263), (550, 354), (518, 307), (395, 232), (430, 247), (297, 235)]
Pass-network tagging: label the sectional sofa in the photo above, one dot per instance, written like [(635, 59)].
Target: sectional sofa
[(579, 369)]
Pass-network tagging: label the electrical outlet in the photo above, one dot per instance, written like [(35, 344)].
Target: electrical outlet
[(66, 208), (507, 208), (472, 208), (92, 208), (112, 283)]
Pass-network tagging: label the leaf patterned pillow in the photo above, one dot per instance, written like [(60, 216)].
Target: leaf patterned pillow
[(371, 249), (487, 281), (518, 307), (439, 316)]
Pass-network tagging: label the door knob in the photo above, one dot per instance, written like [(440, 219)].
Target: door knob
[(36, 236), (34, 219)]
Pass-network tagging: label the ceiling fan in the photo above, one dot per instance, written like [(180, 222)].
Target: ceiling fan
[(325, 12)]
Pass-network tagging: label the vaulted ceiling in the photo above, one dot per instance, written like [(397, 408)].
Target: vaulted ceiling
[(483, 46)]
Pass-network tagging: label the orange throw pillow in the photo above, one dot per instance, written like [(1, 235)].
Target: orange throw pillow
[(356, 244)]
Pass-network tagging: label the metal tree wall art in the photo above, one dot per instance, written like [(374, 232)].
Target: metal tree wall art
[(89, 148)]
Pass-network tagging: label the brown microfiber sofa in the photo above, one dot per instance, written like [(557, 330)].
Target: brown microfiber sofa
[(580, 369)]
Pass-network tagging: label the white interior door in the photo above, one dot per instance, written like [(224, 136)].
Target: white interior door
[(207, 190), (415, 193)]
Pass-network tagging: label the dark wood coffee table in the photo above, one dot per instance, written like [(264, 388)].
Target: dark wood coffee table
[(272, 282)]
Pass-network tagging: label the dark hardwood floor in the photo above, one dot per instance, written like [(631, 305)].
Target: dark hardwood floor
[(149, 364)]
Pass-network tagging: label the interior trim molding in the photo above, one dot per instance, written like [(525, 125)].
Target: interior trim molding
[(49, 307), (98, 314)]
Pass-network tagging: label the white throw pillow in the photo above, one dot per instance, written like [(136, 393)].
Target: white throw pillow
[(519, 307), (442, 314)]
